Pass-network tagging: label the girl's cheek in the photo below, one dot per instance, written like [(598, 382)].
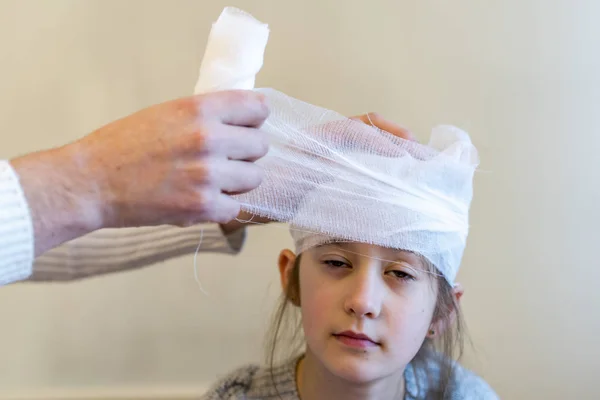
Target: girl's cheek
[(315, 304), (315, 293), (317, 307), (410, 317)]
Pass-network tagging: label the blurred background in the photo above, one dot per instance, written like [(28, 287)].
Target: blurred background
[(522, 77)]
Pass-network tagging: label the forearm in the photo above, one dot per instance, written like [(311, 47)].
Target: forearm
[(61, 197)]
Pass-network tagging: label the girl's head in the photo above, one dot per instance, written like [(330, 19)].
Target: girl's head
[(365, 311)]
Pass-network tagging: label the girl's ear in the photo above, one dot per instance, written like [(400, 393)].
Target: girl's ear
[(286, 263), (458, 292), (439, 326)]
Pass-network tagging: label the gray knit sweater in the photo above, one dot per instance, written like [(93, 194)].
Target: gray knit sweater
[(256, 383)]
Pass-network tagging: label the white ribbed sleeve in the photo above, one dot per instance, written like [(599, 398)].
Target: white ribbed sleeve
[(113, 250), (101, 252), (16, 228)]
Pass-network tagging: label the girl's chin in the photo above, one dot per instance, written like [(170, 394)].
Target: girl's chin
[(356, 371)]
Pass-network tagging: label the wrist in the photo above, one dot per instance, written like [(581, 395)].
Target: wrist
[(62, 199)]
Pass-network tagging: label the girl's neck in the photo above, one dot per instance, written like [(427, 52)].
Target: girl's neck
[(315, 382)]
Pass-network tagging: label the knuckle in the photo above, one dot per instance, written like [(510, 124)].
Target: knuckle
[(263, 103), (209, 106), (204, 140), (209, 175), (213, 140), (245, 100), (198, 205), (239, 96), (206, 201), (228, 98), (203, 206), (197, 139), (186, 106), (218, 208), (252, 100), (205, 105), (260, 98)]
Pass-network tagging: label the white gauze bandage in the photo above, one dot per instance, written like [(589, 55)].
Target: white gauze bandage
[(336, 179), (332, 178), (234, 52)]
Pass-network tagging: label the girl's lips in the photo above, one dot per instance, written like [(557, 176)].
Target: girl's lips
[(355, 339)]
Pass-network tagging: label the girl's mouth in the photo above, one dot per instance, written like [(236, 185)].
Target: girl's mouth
[(355, 339)]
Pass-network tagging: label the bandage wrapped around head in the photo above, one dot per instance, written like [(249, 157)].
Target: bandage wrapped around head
[(332, 178), (336, 179)]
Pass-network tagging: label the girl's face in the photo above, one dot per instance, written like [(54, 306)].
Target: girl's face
[(366, 310)]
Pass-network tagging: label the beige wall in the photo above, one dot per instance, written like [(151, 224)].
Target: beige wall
[(521, 76)]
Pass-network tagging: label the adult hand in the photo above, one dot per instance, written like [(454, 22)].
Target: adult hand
[(173, 163)]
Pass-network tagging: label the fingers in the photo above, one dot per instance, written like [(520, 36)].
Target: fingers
[(237, 177), (244, 144), (224, 210), (222, 175), (232, 142), (386, 125), (235, 107)]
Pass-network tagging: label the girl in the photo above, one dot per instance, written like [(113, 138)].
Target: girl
[(374, 323)]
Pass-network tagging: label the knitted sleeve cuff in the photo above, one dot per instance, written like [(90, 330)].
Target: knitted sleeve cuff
[(16, 228)]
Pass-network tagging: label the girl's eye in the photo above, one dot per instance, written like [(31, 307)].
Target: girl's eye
[(336, 263), (402, 275)]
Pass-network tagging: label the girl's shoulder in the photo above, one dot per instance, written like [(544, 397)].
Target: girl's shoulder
[(234, 385), (256, 382), (466, 384), (463, 383)]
